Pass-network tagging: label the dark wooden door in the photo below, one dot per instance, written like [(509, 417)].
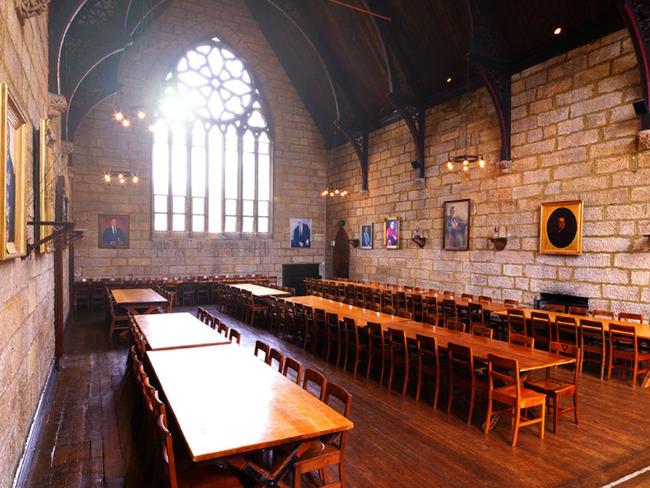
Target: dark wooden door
[(342, 255)]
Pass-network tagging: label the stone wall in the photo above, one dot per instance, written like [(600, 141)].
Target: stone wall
[(299, 160), (26, 287), (573, 137)]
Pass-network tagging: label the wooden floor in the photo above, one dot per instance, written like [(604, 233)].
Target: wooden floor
[(397, 442)]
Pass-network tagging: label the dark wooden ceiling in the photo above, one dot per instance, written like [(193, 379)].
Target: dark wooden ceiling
[(337, 57)]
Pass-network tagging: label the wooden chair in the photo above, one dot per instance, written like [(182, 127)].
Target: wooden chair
[(428, 366), (462, 315), (261, 346), (400, 357), (332, 453), (376, 349), (510, 303), (387, 303), (234, 336), (256, 310), (119, 319), (476, 315), (554, 307), (276, 355), (556, 389), (356, 343), (516, 322), (222, 328), (333, 335), (448, 310), (513, 395), (566, 330), (430, 310), (417, 307), (401, 305), (456, 325), (630, 317), (540, 324), (463, 374), (522, 340), (294, 367), (582, 311), (480, 330), (624, 344), (484, 299), (602, 314), (319, 331), (467, 296), (592, 342), (313, 377)]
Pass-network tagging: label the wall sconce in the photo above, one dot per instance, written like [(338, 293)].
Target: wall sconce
[(355, 243), (500, 239), (120, 176), (418, 237)]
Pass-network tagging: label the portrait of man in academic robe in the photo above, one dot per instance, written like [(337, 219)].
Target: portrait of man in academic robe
[(300, 233), (114, 231)]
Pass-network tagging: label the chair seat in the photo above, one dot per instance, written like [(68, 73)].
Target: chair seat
[(529, 398), (200, 475), (551, 386), (313, 458)]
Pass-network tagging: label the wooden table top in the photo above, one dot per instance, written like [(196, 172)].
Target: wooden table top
[(227, 402), (129, 296), (174, 330), (642, 330), (361, 315), (261, 291), (481, 346)]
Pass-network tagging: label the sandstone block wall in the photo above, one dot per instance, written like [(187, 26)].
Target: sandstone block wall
[(299, 160), (573, 137), (26, 287)]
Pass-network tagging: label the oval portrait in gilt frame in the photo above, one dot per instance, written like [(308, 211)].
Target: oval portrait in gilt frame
[(560, 229)]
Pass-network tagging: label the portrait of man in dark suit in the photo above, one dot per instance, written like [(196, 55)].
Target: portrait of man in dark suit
[(300, 233), (366, 236), (114, 231), (561, 227)]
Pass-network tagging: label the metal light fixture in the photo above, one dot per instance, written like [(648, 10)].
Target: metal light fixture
[(333, 192), (121, 176)]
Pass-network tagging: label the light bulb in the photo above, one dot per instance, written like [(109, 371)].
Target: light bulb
[(450, 165), (465, 168), (135, 178), (141, 114), (152, 128), (331, 193), (557, 31), (126, 123), (466, 163), (120, 176), (481, 162), (119, 116), (107, 177), (336, 192), (324, 193), (122, 181), (449, 80)]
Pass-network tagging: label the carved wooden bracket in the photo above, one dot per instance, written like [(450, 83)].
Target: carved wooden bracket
[(359, 141), (57, 104), (27, 9), (636, 14), (414, 118)]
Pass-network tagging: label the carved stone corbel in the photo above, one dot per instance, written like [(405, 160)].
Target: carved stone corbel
[(57, 104), (26, 9), (644, 140), (67, 147)]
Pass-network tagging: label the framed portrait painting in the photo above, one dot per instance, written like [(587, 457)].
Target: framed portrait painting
[(391, 233), (43, 185), (456, 229), (367, 235), (300, 233), (113, 231), (13, 157), (560, 228)]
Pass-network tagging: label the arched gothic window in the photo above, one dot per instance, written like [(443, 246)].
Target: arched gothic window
[(211, 168)]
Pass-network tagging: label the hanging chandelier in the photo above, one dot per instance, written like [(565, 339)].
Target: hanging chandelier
[(333, 192), (465, 158)]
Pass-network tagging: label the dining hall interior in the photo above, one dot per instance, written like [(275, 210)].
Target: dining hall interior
[(338, 243)]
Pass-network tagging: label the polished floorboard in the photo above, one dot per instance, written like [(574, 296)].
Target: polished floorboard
[(85, 440)]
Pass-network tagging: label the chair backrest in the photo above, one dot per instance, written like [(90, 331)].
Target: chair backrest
[(428, 347), (583, 311), (481, 330), (622, 335), (431, 310), (291, 365), (541, 326), (339, 399), (261, 346), (455, 325), (223, 329), (522, 340), (313, 377), (593, 330), (509, 302), (566, 327), (276, 355), (467, 296), (516, 321), (568, 350), (332, 320), (234, 336), (166, 447), (461, 360), (554, 307), (350, 328), (603, 314), (484, 299), (505, 370), (397, 339), (630, 317), (476, 315)]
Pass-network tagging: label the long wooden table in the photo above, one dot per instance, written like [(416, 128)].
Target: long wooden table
[(138, 300), (361, 315), (261, 291), (227, 402), (642, 330), (529, 360), (176, 330)]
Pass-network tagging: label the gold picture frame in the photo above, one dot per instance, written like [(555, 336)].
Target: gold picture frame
[(13, 158), (45, 200), (391, 232), (560, 228)]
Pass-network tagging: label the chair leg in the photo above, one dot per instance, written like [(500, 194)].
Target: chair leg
[(575, 406), (488, 418), (419, 380), (543, 414), (342, 474), (369, 365), (602, 363), (556, 413), (472, 398), (515, 432), (609, 367), (406, 375), (450, 398), (634, 373), (391, 373), (437, 391)]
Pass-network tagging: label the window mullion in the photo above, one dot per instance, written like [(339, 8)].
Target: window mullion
[(257, 186), (188, 178), (240, 177), (223, 180), (170, 197), (206, 175)]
